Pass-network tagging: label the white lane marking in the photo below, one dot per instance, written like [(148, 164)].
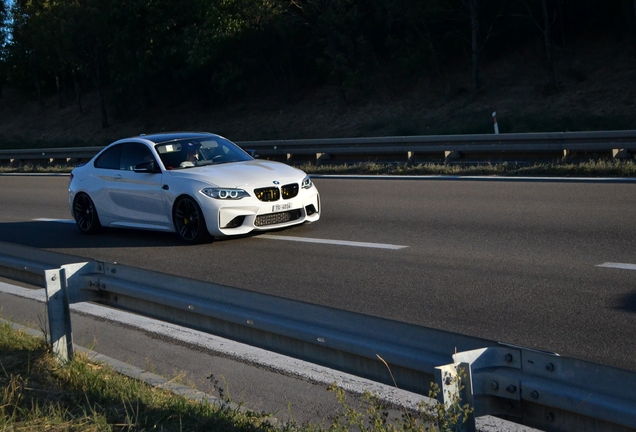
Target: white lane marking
[(333, 242), (288, 238), (622, 266), (71, 221)]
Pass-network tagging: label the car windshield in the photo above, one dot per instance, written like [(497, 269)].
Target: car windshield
[(189, 153)]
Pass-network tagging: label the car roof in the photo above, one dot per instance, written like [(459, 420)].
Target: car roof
[(172, 136)]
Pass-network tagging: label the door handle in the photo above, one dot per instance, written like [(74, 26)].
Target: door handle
[(117, 177)]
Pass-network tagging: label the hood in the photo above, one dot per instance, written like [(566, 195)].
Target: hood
[(240, 174)]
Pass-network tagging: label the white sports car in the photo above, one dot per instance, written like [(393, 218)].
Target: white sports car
[(198, 185)]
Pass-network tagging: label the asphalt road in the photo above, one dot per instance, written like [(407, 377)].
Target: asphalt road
[(512, 261)]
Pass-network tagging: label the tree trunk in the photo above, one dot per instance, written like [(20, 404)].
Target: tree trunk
[(100, 90), (474, 26), (547, 46), (78, 95), (59, 91), (37, 86), (632, 25)]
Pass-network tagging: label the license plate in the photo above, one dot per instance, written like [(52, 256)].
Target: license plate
[(281, 207)]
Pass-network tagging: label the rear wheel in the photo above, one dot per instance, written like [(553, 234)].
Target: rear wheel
[(85, 214), (189, 221)]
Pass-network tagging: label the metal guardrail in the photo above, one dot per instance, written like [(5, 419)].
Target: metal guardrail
[(617, 143), (533, 388)]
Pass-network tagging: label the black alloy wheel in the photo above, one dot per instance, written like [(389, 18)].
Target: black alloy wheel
[(189, 221), (86, 214)]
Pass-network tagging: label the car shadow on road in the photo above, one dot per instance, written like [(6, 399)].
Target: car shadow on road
[(59, 235), (627, 303)]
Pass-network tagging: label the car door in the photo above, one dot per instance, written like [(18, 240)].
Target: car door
[(103, 181), (139, 196)]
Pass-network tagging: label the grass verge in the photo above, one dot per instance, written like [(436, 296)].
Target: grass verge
[(592, 168), (38, 394)]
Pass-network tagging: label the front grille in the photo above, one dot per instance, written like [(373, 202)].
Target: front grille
[(267, 194), (289, 191), (277, 218)]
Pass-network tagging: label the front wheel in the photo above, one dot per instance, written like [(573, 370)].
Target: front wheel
[(85, 214), (189, 221)]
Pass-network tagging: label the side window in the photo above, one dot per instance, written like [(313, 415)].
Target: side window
[(109, 159), (134, 154)]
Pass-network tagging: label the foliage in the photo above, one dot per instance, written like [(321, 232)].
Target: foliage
[(148, 52), (591, 168), (373, 416), (40, 394)]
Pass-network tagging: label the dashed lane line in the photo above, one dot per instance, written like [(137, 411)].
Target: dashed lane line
[(622, 266), (333, 242), (71, 221), (290, 238)]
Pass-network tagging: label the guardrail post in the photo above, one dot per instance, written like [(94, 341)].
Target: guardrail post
[(63, 287), (410, 155), (456, 391), (543, 390), (451, 154), (57, 306), (321, 157), (620, 153)]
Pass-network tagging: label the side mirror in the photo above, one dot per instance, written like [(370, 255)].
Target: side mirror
[(147, 167), (252, 153)]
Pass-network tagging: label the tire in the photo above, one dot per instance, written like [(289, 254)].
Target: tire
[(85, 214), (189, 221)]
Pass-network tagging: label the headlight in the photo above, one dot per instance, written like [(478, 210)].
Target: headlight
[(226, 194), (307, 183)]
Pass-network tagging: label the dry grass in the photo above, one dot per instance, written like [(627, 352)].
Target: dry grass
[(38, 394), (593, 168)]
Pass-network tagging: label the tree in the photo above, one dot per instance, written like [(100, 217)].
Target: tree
[(630, 7), (473, 7), (3, 44), (544, 26)]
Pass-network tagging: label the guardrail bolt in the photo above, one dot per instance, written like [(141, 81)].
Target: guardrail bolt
[(511, 389), (508, 358), (549, 367), (534, 394), (54, 277), (549, 417), (494, 385)]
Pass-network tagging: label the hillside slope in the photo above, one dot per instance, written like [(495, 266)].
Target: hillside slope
[(597, 92)]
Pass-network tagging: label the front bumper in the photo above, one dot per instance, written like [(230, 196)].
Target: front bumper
[(225, 218)]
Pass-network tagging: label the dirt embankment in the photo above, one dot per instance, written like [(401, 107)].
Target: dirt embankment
[(597, 92)]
